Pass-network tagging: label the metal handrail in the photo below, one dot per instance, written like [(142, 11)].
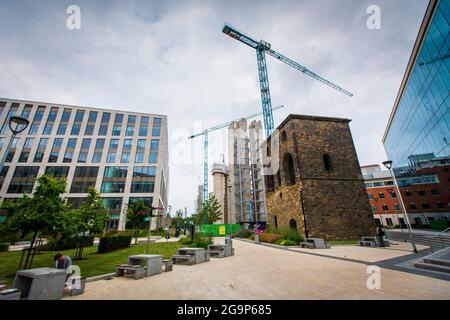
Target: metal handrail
[(437, 236)]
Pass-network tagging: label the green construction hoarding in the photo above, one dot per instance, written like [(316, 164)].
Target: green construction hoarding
[(219, 230)]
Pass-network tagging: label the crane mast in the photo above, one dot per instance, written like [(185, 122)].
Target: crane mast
[(261, 48)]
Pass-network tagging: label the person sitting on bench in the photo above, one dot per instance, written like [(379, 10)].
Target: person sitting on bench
[(64, 262)]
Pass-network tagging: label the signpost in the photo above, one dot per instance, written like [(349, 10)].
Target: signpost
[(150, 215)]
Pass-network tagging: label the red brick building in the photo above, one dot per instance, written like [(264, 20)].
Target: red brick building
[(425, 193)]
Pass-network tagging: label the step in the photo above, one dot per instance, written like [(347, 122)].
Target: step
[(441, 257), (433, 267)]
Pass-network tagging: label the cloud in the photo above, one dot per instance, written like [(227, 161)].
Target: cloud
[(171, 57)]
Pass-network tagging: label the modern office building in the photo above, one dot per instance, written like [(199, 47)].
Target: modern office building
[(425, 194), (124, 155), (417, 136)]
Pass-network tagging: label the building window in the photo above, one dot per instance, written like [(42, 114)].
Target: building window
[(54, 153), (85, 144), (140, 151), (143, 128), (156, 127), (440, 205), (408, 193), (283, 136), (11, 113), (57, 172), (154, 146), (143, 180), (417, 220), (397, 207), (23, 179), (50, 121), (425, 205), (126, 151), (103, 130), (130, 125), (64, 122), (34, 127), (114, 180), (70, 149), (275, 221), (393, 194), (40, 150), (381, 195), (112, 152), (26, 111), (389, 222), (370, 196), (385, 207), (83, 178), (12, 150), (434, 192), (421, 192), (412, 206), (91, 123), (374, 208), (117, 124), (26, 150), (270, 182), (288, 168), (2, 106), (293, 224), (3, 172), (77, 123), (98, 152), (327, 162)]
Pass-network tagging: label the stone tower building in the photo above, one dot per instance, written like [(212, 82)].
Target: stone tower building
[(220, 189), (319, 189)]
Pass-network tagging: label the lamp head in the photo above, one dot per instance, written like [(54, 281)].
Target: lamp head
[(388, 164), (18, 124)]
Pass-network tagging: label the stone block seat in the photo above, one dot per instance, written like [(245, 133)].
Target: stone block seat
[(220, 250), (183, 259), (373, 242), (315, 243), (168, 265), (128, 270)]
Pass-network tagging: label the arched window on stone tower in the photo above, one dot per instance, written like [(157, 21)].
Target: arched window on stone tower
[(327, 162), (293, 224), (288, 168)]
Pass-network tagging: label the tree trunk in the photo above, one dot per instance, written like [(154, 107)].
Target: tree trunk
[(27, 260)]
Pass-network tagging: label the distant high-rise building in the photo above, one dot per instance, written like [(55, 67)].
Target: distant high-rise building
[(246, 201), (220, 189), (122, 154)]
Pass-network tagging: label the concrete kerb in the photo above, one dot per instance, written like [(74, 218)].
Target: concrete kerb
[(101, 277), (266, 244)]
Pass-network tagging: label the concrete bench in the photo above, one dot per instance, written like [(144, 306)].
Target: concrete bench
[(308, 245), (137, 271), (168, 265), (365, 243), (183, 259), (220, 250)]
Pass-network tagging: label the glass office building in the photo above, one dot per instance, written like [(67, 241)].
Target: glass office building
[(417, 137)]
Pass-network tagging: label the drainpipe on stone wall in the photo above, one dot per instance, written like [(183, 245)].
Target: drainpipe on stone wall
[(304, 213)]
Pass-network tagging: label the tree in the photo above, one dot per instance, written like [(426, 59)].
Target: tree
[(136, 216), (91, 217), (43, 213), (209, 211)]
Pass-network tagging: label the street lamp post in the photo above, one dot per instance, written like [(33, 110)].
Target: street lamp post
[(388, 165), (16, 125)]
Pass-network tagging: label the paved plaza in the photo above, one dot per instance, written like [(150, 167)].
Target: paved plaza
[(261, 272)]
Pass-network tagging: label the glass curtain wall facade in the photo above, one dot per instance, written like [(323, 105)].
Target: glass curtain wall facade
[(417, 138)]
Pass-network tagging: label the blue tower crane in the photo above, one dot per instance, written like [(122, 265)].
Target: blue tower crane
[(261, 48), (204, 133)]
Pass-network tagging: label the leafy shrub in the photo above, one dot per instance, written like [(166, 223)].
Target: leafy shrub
[(186, 241), (4, 246), (67, 243), (270, 237), (243, 233), (111, 243), (201, 242), (288, 243), (279, 241), (9, 236), (288, 234)]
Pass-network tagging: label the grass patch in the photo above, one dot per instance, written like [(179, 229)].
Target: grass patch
[(343, 242), (93, 264)]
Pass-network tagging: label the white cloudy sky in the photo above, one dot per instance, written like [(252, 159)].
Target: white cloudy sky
[(171, 57)]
